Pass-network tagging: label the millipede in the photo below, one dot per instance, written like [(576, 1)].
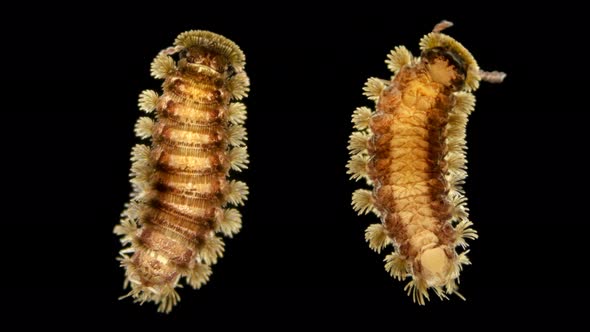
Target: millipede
[(181, 200), (411, 150)]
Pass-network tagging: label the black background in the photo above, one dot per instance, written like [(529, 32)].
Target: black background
[(73, 75)]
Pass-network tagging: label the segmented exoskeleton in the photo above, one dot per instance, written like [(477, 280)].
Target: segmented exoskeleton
[(181, 193), (411, 149)]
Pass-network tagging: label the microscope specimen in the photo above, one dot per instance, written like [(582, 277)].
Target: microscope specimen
[(179, 206), (411, 150)]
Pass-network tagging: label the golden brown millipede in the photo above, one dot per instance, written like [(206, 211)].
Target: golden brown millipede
[(411, 150), (178, 207)]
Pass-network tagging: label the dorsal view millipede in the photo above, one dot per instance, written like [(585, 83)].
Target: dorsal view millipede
[(180, 204)]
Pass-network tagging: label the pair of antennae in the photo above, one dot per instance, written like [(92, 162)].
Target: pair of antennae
[(487, 76)]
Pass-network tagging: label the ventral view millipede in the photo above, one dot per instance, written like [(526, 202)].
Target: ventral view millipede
[(411, 150)]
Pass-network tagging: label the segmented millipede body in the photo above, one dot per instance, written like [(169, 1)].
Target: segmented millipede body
[(179, 205), (411, 149)]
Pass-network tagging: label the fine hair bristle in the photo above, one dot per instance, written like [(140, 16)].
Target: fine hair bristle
[(214, 42)]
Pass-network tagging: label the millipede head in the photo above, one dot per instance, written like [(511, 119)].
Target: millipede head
[(457, 56), (195, 40), (445, 66), (198, 55)]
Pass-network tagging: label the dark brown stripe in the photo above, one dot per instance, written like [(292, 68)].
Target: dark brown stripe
[(182, 122), (163, 177), (166, 202), (215, 194), (187, 229), (171, 145), (438, 185)]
